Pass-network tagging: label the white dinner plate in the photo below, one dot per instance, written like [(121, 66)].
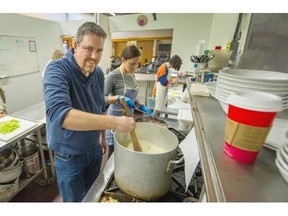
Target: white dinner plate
[(253, 86), (259, 75), (266, 83)]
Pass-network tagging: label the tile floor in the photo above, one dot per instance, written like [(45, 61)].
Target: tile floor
[(49, 193), (33, 192)]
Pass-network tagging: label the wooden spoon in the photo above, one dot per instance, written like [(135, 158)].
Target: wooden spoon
[(135, 142)]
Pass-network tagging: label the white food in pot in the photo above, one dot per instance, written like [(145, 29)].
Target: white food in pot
[(147, 147)]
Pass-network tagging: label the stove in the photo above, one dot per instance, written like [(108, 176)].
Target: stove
[(105, 188)]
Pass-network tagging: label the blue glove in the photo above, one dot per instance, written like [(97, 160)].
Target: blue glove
[(145, 109), (130, 103)]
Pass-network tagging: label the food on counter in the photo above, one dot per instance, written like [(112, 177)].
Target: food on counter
[(151, 120), (147, 147), (157, 123), (108, 199), (9, 126)]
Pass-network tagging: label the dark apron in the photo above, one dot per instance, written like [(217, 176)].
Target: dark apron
[(117, 110)]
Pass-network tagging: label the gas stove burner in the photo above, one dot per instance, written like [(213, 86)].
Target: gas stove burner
[(180, 135)]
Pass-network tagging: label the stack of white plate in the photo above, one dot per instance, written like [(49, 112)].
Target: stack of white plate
[(282, 158), (235, 80)]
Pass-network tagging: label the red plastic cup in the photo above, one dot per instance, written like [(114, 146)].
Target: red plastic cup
[(249, 119)]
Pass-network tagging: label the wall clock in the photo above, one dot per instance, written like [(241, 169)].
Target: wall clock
[(142, 20)]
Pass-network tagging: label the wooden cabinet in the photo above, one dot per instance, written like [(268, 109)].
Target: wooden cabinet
[(148, 46), (118, 47), (147, 50)]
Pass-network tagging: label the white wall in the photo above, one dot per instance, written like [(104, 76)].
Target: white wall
[(187, 30), (60, 17), (26, 90), (71, 27), (223, 29), (107, 53), (143, 34), (215, 29)]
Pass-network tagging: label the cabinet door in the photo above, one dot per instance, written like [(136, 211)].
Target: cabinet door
[(119, 46), (147, 50)]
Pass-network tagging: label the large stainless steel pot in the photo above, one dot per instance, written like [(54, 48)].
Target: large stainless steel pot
[(152, 120), (146, 176), (29, 154)]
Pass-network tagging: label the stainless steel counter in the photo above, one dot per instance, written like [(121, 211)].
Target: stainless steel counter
[(144, 77), (226, 179), (32, 114), (36, 112)]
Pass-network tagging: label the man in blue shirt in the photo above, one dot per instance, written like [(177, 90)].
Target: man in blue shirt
[(74, 99)]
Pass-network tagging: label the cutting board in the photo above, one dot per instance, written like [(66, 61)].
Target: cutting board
[(24, 126)]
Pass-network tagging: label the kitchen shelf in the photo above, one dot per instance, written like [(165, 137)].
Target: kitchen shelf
[(227, 180), (23, 182), (34, 113), (19, 138)]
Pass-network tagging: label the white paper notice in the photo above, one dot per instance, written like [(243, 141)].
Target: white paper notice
[(189, 148)]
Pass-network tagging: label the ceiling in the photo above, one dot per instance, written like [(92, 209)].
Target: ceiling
[(117, 14), (61, 17)]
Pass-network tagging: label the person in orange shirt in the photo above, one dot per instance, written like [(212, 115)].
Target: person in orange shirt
[(163, 80)]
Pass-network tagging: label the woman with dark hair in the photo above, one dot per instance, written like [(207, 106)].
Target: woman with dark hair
[(163, 80), (121, 82)]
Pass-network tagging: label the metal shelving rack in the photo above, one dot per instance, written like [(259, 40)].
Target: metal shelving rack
[(23, 182), (34, 113)]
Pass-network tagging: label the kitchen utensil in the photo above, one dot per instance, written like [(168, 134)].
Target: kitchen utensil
[(210, 58), (202, 59), (141, 111), (6, 158), (10, 175), (194, 59), (2, 95), (146, 176), (205, 58), (29, 154), (135, 142)]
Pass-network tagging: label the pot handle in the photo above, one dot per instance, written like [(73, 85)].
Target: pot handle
[(174, 162)]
